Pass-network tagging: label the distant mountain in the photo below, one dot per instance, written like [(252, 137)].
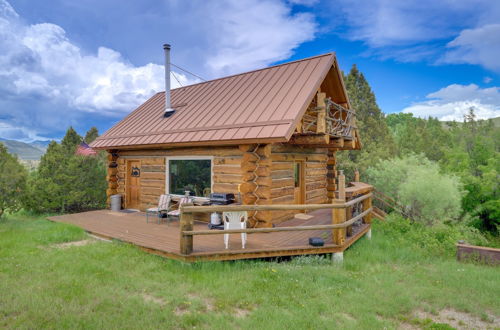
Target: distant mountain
[(26, 151), (41, 144)]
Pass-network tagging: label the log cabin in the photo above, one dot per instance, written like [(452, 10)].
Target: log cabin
[(269, 136)]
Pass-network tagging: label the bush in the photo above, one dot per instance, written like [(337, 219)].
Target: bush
[(416, 183)]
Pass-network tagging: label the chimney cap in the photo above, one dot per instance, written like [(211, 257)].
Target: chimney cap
[(166, 46)]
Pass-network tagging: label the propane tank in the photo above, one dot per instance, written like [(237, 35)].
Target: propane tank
[(215, 219)]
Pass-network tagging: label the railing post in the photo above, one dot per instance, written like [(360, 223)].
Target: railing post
[(348, 217), (367, 203), (186, 224), (356, 176), (339, 214)]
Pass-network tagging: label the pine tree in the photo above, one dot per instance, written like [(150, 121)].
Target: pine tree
[(91, 135), (65, 182), (70, 141), (376, 139)]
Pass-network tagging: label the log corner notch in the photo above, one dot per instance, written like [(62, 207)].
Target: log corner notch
[(111, 177), (256, 186), (331, 175)]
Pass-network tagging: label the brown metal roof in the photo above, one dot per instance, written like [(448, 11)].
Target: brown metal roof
[(249, 107)]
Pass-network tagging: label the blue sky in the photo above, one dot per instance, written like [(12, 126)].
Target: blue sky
[(91, 62)]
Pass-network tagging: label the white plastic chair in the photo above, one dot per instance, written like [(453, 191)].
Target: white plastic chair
[(163, 206), (235, 220)]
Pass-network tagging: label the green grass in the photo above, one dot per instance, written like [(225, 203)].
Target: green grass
[(115, 285)]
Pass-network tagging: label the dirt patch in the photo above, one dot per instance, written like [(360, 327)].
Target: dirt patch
[(71, 244), (459, 320), (208, 303), (181, 309), (348, 317), (241, 312), (153, 299)]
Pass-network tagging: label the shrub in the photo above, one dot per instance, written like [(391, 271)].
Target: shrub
[(439, 240), (12, 181), (416, 183)]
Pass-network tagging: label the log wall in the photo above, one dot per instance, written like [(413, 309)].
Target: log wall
[(226, 170), (269, 168), (282, 174)]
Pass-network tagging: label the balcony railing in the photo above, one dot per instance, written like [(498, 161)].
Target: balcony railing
[(338, 121)]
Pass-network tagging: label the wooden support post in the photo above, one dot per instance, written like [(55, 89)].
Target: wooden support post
[(341, 186), (367, 203), (299, 127), (321, 121), (356, 176), (339, 215), (186, 224)]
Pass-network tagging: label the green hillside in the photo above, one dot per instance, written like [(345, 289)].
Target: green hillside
[(23, 150), (447, 124)]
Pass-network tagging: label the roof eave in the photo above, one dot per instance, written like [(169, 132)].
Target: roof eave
[(194, 144)]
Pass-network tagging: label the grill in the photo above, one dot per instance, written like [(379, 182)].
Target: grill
[(221, 199)]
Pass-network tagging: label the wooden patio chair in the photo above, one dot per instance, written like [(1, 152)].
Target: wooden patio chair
[(176, 213), (235, 220), (163, 207)]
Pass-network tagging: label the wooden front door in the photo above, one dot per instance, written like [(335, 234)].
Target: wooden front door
[(299, 176), (133, 198)]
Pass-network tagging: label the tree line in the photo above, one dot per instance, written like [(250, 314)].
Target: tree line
[(440, 172), (63, 181)]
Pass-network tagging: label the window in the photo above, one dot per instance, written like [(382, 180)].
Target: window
[(189, 173)]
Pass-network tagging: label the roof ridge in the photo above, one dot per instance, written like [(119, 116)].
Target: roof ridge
[(251, 71)]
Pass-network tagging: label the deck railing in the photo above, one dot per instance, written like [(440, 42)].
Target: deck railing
[(342, 217)]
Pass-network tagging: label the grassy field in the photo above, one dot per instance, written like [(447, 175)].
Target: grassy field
[(388, 282)]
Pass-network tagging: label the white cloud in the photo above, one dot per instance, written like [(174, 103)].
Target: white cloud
[(390, 23), (304, 2), (476, 46), (48, 82), (39, 59), (247, 34), (454, 101)]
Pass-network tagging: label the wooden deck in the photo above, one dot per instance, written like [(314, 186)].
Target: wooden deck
[(165, 240)]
